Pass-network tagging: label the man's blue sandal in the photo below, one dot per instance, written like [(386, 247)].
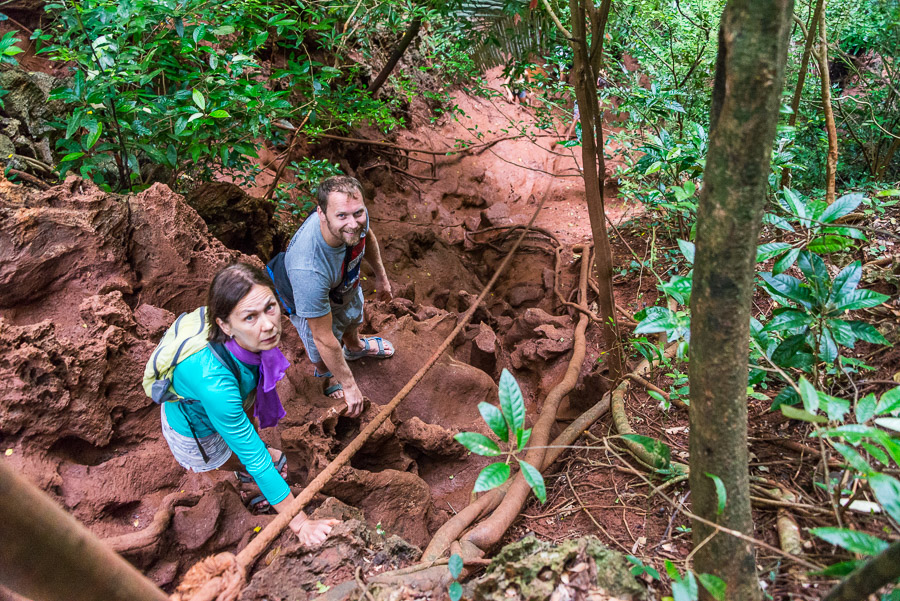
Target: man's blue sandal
[(362, 354), (329, 390)]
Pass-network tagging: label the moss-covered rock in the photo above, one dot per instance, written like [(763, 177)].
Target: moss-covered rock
[(533, 570)]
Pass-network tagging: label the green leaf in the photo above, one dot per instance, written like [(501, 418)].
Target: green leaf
[(534, 479), (491, 477), (846, 281), (522, 438), (788, 319), (809, 394), (876, 452), (721, 494), (813, 267), (858, 299), (72, 156), (788, 287), (478, 444), (840, 569), (494, 419), (785, 262), (764, 252), (199, 100), (854, 459), (714, 585), (851, 540), (455, 591), (887, 493), (867, 333), (94, 136), (219, 114), (840, 207), (659, 449), (806, 416), (192, 118), (223, 30), (889, 401), (891, 423), (835, 408), (672, 571), (794, 203), (865, 408), (686, 589), (179, 27), (687, 249), (659, 322), (829, 244), (512, 405), (456, 565)]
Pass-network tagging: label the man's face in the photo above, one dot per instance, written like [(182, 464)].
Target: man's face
[(345, 218)]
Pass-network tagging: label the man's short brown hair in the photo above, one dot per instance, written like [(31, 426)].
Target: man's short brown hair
[(338, 183)]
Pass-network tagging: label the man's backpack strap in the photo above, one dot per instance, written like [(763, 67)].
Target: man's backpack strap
[(278, 272)]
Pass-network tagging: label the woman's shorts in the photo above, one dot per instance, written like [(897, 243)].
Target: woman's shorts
[(186, 452)]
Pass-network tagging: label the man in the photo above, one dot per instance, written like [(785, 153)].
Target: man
[(323, 264)]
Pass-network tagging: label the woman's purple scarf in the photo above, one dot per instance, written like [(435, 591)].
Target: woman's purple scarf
[(268, 408)]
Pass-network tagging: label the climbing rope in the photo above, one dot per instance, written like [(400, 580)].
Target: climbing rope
[(218, 578)]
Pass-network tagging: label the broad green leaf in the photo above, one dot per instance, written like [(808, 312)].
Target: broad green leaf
[(840, 207), (491, 477), (840, 569), (867, 333), (657, 323), (865, 408), (219, 114), (522, 438), (788, 320), (851, 540), (847, 280), (455, 591), (828, 244), (223, 30), (788, 287), (687, 249), (858, 299), (784, 263), (887, 493), (806, 416), (721, 494), (512, 405), (192, 118), (714, 585), (179, 27), (478, 443), (455, 564), (672, 571), (686, 589), (778, 221), (876, 452), (809, 394), (794, 203), (534, 479), (679, 288), (835, 408), (889, 401), (813, 267), (94, 136), (847, 232), (764, 252), (842, 332), (494, 419), (72, 156), (199, 100), (827, 347), (891, 423), (854, 459), (659, 449)]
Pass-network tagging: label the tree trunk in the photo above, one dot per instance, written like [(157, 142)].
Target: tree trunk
[(882, 569), (801, 78), (831, 159), (411, 32), (585, 83), (753, 41)]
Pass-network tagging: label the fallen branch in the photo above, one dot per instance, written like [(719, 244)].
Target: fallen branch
[(27, 177)]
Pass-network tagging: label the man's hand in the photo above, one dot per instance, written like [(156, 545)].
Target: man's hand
[(354, 400), (311, 533), (383, 291)]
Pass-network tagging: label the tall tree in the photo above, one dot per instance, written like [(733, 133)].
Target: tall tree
[(588, 29), (753, 41), (831, 158)]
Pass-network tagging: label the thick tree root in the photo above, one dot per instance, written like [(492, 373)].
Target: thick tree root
[(149, 536)]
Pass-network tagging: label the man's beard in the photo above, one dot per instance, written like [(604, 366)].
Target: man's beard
[(342, 236)]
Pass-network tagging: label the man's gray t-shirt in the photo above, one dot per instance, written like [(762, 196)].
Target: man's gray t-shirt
[(316, 271)]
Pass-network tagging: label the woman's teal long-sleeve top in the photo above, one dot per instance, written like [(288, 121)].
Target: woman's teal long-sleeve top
[(220, 409)]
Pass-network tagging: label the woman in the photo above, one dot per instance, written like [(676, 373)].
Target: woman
[(216, 432)]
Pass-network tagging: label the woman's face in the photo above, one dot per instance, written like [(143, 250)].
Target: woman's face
[(255, 322)]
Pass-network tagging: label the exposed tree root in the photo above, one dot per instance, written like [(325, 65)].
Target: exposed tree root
[(149, 536)]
